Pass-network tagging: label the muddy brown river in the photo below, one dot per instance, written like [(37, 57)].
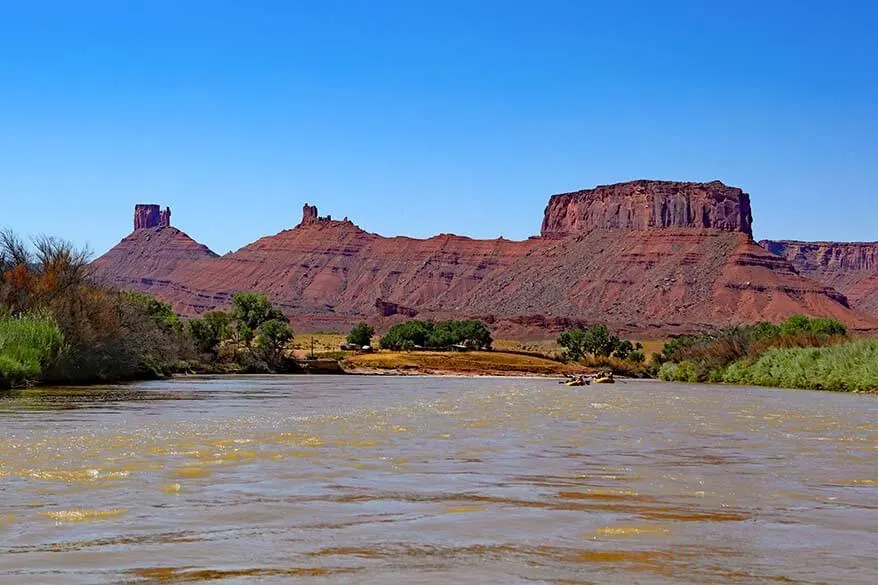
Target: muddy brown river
[(436, 480)]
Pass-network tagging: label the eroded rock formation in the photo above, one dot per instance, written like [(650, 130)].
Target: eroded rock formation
[(647, 257), (645, 204), (850, 267), (150, 216), (386, 309)]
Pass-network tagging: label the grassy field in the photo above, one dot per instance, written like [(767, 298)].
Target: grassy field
[(324, 343), (475, 362), (503, 360)]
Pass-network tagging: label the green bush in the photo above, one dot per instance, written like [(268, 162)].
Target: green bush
[(713, 352), (682, 372), (844, 367)]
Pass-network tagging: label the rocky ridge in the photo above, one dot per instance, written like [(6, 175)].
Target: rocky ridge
[(646, 257), (850, 267)]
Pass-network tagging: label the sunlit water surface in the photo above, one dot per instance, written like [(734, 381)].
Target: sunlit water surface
[(436, 480)]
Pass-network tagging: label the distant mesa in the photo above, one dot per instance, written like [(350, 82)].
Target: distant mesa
[(150, 215), (649, 204), (649, 257)]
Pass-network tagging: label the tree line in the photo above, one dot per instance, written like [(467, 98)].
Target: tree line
[(417, 334)]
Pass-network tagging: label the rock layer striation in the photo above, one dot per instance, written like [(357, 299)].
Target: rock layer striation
[(644, 204), (647, 257), (850, 267)]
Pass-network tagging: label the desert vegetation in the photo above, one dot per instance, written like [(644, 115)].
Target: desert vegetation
[(798, 353), (58, 326), (416, 334), (253, 337), (599, 348), (468, 363)]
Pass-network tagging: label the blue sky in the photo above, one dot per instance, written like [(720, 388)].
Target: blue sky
[(421, 117)]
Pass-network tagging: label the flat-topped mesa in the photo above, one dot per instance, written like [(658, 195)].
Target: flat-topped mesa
[(649, 204), (150, 216)]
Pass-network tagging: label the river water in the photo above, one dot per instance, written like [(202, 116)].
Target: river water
[(436, 480)]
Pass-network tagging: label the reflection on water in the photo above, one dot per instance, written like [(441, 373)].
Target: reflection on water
[(429, 480)]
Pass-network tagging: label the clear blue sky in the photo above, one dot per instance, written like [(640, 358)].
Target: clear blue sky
[(421, 117)]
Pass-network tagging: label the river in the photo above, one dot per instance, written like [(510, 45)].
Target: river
[(436, 480)]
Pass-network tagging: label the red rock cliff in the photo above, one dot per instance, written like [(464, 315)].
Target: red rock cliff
[(816, 256), (151, 215), (852, 268), (646, 204), (663, 279)]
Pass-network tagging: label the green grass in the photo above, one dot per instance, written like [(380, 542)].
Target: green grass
[(27, 344), (846, 367)]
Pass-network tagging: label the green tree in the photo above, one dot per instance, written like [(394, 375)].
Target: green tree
[(158, 311), (599, 341), (209, 331), (407, 335), (573, 342), (474, 334), (361, 334), (272, 337), (250, 310)]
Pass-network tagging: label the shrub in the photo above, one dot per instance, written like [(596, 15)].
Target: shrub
[(849, 366), (681, 372), (711, 353)]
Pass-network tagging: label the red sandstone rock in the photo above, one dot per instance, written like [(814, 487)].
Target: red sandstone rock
[(309, 213), (386, 309), (150, 216), (645, 204), (648, 257), (852, 268), (146, 256)]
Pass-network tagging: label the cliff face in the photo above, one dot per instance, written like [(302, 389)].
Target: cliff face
[(627, 263), (852, 268), (150, 216), (640, 205)]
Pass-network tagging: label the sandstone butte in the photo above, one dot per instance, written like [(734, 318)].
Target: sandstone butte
[(646, 257)]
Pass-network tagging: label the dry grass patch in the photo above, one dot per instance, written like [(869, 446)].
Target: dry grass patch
[(475, 362)]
